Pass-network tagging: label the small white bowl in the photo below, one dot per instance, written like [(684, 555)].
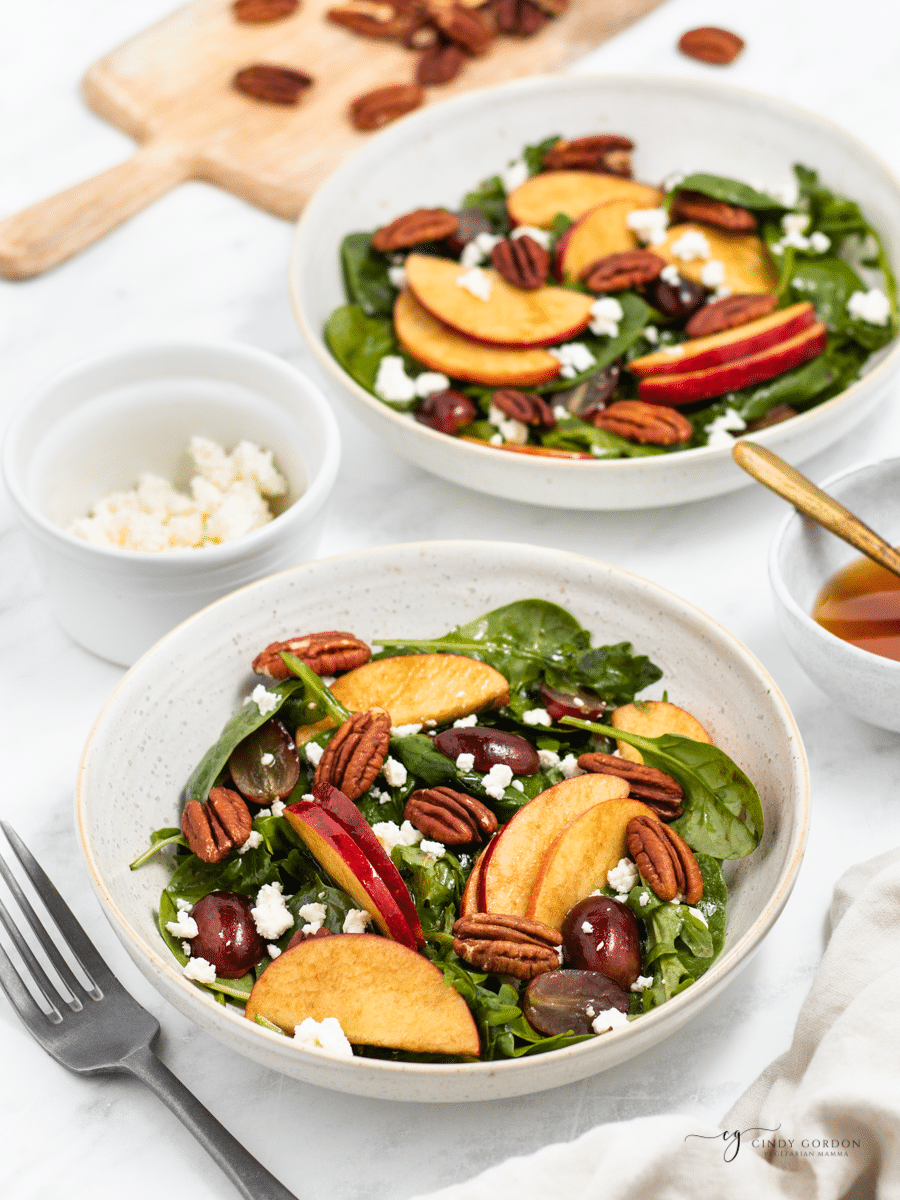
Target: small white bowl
[(97, 426), (172, 705), (802, 558), (436, 155)]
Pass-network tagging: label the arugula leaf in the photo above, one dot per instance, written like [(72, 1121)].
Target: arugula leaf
[(730, 191), (245, 721), (359, 342), (716, 790), (366, 275)]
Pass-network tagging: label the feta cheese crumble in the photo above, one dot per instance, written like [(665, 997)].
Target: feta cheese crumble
[(394, 772), (406, 730), (270, 914), (314, 916), (435, 849), (569, 766), (819, 241), (465, 762), (695, 912), (478, 249), (623, 876), (313, 752), (548, 759), (200, 970), (272, 950), (541, 236), (397, 277), (712, 273), (606, 313), (278, 807), (323, 1035), (872, 306), (608, 1020), (264, 700), (184, 926), (537, 716), (466, 722), (670, 275), (691, 245), (356, 920), (254, 839), (430, 382), (392, 381), (651, 334), (642, 982), (475, 281), (390, 834), (575, 358), (515, 174), (267, 760), (649, 224), (497, 780), (511, 429), (719, 431)]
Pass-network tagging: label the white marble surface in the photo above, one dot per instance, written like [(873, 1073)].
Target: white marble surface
[(201, 262)]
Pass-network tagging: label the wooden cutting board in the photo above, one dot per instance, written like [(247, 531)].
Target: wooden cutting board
[(170, 89)]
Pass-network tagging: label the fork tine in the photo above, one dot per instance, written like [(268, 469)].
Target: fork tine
[(20, 997), (62, 915), (38, 974)]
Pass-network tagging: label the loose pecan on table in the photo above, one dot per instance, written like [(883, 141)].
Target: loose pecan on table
[(653, 787), (440, 63), (527, 407), (326, 653), (216, 827), (729, 313), (522, 262), (448, 816), (606, 153), (412, 228), (507, 944), (694, 206), (275, 85), (471, 28), (649, 424), (374, 109), (710, 44), (375, 19), (256, 12), (664, 859), (355, 754), (621, 271)]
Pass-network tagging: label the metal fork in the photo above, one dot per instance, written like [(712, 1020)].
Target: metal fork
[(101, 1029)]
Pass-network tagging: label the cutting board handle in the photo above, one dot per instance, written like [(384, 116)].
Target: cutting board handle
[(55, 229)]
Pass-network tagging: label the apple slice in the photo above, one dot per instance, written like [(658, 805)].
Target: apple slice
[(415, 688), (540, 198), (603, 230), (434, 345), (540, 451), (747, 262), (513, 858), (717, 348), (383, 994), (579, 858), (468, 903), (653, 719), (509, 317), (340, 856), (345, 812), (739, 373)]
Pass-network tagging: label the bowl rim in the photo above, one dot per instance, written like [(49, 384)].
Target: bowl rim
[(709, 983), (381, 144), (785, 598), (320, 482)]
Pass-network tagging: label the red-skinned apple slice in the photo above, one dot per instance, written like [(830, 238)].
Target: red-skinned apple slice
[(459, 357), (509, 317), (601, 231), (347, 814), (512, 859), (743, 340), (673, 390), (338, 853), (539, 451), (537, 201), (468, 903), (382, 993)]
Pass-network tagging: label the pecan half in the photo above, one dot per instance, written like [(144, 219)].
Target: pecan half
[(520, 18), (781, 412), (527, 407), (607, 153), (664, 859), (440, 63), (710, 44), (507, 944), (215, 828), (729, 313), (275, 85), (655, 788), (649, 424), (385, 104), (694, 206), (469, 27), (421, 225), (623, 270), (449, 816), (325, 653), (374, 19), (256, 12), (522, 262), (355, 754), (300, 936)]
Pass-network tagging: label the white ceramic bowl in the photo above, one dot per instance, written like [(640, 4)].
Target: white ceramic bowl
[(434, 156), (802, 558), (97, 426), (173, 703)]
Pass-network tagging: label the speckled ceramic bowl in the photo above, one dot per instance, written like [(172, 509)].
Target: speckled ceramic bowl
[(802, 558), (172, 704), (434, 156)]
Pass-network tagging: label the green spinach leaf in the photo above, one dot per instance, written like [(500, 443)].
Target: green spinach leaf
[(366, 276), (730, 191), (359, 342), (635, 315)]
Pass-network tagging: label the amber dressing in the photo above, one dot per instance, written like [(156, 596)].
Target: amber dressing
[(861, 604)]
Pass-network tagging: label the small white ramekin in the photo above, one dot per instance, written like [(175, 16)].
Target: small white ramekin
[(802, 558), (95, 427)]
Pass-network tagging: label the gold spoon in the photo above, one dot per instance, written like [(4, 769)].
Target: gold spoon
[(788, 483)]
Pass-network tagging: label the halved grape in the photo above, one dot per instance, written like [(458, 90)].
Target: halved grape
[(580, 702), (227, 936), (601, 934), (265, 765), (570, 1001), (490, 747)]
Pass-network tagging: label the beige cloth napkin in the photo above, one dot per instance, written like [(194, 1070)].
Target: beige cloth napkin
[(833, 1098)]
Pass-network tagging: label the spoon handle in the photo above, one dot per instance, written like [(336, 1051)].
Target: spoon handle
[(781, 477)]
